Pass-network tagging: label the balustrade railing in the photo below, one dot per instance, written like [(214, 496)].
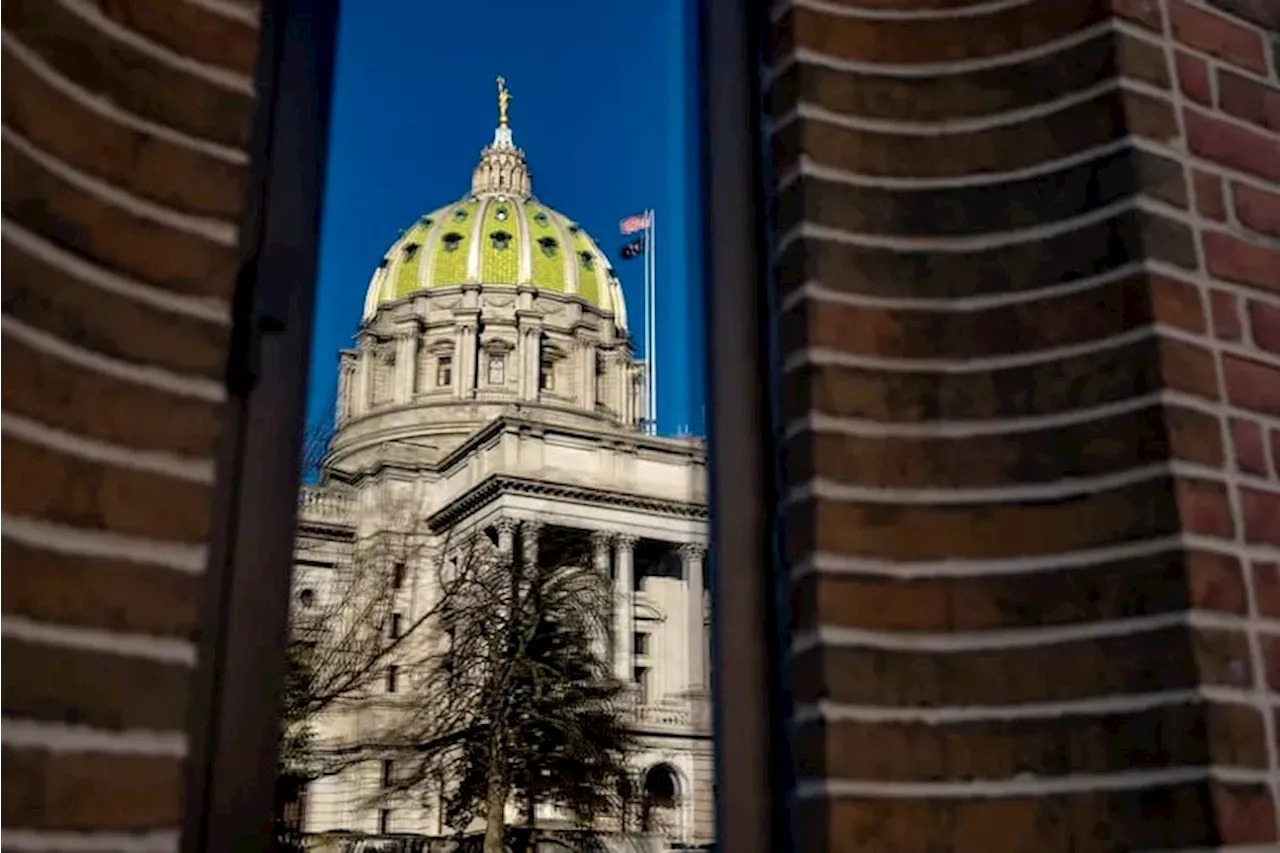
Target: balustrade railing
[(318, 503)]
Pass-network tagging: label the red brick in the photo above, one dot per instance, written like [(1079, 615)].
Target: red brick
[(1218, 36), (1234, 259), (1208, 192), (1271, 659), (1266, 588), (1248, 99), (1204, 508), (1232, 145), (1261, 511), (1245, 814), (1225, 308), (1257, 209), (1247, 445), (1144, 12), (1264, 325), (1214, 582), (1275, 449), (1251, 385), (1193, 78)]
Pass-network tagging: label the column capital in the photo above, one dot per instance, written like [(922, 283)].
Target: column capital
[(691, 551), (601, 538), (506, 525), (625, 541)]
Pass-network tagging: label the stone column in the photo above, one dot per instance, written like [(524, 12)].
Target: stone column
[(529, 532), (406, 364), (506, 536), (691, 557), (600, 542), (362, 384), (587, 375), (466, 367), (624, 601)]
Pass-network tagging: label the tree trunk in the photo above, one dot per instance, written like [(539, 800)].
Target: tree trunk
[(495, 811)]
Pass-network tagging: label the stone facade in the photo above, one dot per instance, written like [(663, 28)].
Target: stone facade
[(1029, 282), (125, 136)]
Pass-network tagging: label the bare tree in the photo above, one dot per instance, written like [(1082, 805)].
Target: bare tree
[(354, 610), (512, 701)]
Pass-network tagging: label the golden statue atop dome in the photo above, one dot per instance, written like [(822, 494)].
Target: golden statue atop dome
[(504, 98)]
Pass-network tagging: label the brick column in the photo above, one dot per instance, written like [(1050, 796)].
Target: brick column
[(124, 182), (1029, 282)]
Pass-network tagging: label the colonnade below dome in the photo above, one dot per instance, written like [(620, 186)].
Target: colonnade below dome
[(491, 344)]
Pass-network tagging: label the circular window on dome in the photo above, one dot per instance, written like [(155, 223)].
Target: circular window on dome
[(452, 241), (588, 262), (459, 215), (500, 239), (501, 215), (548, 246), (540, 218), (574, 229), (426, 220)]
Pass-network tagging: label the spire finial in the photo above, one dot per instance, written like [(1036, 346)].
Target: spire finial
[(504, 98)]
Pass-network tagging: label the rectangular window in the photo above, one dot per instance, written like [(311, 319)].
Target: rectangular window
[(395, 626), (398, 573), (444, 371), (393, 672), (387, 774), (641, 675), (547, 376), (497, 369), (641, 641), (384, 821)]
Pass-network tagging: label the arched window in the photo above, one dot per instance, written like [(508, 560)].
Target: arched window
[(659, 799)]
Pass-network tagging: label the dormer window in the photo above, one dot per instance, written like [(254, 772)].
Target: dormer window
[(382, 264), (410, 249), (452, 241), (540, 218), (426, 221), (460, 215), (501, 215), (588, 262), (548, 246), (574, 229), (500, 239)]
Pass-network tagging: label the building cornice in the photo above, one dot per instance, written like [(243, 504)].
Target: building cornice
[(497, 485)]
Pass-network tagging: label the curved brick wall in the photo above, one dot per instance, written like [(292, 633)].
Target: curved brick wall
[(125, 127), (1028, 263)]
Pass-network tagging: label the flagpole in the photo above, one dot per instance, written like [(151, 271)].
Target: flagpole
[(651, 259)]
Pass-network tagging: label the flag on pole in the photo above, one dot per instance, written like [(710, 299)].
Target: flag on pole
[(632, 224), (634, 249)]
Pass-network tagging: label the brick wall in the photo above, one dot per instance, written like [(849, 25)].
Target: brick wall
[(1028, 261), (125, 128)]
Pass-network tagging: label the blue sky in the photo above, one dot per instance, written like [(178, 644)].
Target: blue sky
[(602, 105)]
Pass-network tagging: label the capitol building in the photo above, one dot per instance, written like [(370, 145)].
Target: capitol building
[(493, 386)]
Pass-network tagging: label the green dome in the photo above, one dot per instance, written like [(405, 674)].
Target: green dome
[(498, 235), (496, 240)]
